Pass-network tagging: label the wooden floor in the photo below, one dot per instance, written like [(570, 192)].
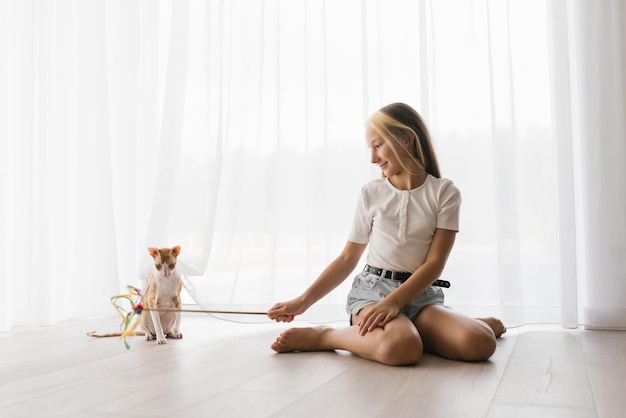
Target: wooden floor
[(226, 369)]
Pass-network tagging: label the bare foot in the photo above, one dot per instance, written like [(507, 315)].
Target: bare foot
[(301, 339), (495, 324)]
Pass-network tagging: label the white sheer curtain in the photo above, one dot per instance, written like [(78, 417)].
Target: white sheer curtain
[(235, 129), (591, 37)]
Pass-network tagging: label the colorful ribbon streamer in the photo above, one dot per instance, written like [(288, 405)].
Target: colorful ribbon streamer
[(136, 312)]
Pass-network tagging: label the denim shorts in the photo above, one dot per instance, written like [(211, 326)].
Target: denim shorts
[(368, 288)]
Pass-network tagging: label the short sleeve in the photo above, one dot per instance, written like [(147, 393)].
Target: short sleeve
[(449, 207), (362, 223)]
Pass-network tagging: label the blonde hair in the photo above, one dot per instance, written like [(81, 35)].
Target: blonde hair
[(397, 123)]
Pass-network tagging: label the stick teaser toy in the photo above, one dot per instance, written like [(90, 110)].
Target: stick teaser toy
[(133, 313)]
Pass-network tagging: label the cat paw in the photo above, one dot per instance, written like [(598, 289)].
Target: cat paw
[(149, 337), (176, 335), (161, 341)]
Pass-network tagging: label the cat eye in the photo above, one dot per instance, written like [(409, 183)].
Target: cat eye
[(158, 266), (171, 266)]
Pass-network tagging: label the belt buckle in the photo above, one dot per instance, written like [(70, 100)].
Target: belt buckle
[(370, 269)]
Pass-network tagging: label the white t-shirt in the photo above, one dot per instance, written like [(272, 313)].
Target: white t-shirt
[(399, 225)]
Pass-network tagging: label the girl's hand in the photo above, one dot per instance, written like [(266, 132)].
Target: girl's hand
[(287, 311), (376, 315)]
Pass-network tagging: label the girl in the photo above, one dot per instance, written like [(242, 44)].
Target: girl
[(409, 218)]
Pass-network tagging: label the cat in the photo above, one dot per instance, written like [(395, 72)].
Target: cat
[(163, 291)]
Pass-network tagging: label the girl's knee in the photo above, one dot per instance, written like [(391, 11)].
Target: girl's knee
[(401, 350), (478, 345)]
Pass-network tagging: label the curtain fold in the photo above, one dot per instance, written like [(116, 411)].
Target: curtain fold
[(599, 34), (235, 129), (563, 133)]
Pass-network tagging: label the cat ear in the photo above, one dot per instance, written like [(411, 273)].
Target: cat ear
[(176, 250), (153, 251)]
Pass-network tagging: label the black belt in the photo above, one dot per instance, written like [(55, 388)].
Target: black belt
[(400, 276)]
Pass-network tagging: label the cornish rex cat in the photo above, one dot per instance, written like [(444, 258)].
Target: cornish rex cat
[(163, 291)]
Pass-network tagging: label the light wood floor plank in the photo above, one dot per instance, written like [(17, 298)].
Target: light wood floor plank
[(605, 354), (534, 411), (547, 369), (238, 404)]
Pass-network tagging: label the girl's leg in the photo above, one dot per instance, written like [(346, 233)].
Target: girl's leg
[(397, 344), (456, 336)]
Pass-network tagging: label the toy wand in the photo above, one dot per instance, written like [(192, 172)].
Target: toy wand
[(204, 311)]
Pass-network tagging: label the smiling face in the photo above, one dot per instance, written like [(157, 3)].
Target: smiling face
[(399, 139), (382, 154)]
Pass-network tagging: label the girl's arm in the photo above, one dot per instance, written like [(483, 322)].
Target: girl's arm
[(330, 278), (381, 313)]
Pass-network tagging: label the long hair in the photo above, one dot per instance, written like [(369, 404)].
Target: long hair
[(399, 122)]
